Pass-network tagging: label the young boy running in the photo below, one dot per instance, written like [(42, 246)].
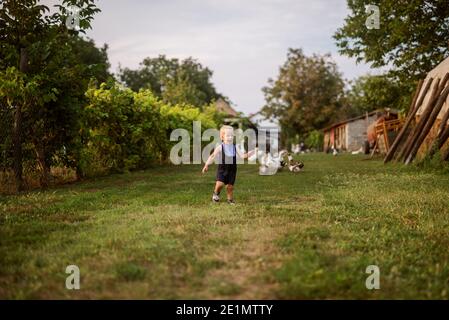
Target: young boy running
[(227, 167)]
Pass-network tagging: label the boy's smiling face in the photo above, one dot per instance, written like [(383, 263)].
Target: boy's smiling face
[(228, 136)]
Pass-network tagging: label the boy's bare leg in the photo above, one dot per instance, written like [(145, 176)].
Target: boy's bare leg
[(230, 191), (218, 186)]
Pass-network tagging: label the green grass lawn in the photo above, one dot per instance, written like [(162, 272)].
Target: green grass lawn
[(155, 234)]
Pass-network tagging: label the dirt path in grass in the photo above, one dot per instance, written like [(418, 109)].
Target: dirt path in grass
[(247, 266)]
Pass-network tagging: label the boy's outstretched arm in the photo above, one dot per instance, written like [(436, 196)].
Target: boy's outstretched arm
[(211, 159), (247, 154)]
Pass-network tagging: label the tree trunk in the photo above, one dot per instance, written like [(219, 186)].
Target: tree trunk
[(17, 149), (17, 129), (79, 173), (45, 168)]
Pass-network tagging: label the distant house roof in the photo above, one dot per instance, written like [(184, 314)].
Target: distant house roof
[(223, 106), (375, 112)]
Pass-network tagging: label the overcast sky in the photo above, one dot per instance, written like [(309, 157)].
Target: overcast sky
[(242, 41)]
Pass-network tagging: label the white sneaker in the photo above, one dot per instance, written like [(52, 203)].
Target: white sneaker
[(215, 197)]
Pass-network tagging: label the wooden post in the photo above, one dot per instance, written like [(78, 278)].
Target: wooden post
[(375, 145), (420, 125), (417, 129), (413, 108), (439, 140), (421, 98), (416, 95), (386, 142), (443, 121), (438, 87), (428, 125), (443, 138), (445, 156)]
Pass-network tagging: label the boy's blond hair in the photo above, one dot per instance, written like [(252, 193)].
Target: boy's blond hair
[(223, 129)]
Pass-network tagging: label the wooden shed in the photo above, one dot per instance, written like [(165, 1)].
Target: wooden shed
[(350, 134)]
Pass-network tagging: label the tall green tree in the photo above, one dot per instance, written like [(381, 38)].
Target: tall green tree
[(35, 50), (172, 80), (54, 125), (412, 37), (95, 59), (370, 92), (306, 94)]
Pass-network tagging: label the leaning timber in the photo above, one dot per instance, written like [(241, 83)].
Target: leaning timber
[(433, 116), (417, 129), (411, 114)]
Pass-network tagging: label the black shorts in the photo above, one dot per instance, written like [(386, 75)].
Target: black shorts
[(227, 177)]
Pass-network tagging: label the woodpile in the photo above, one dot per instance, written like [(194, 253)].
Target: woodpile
[(426, 128)]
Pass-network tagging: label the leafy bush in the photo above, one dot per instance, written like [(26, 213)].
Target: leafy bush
[(314, 139), (126, 130)]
